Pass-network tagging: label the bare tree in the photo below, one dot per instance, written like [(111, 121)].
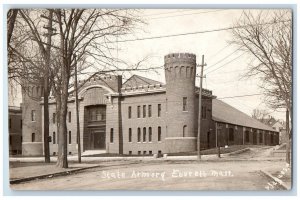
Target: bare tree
[(267, 37), (30, 58), (260, 115), (89, 34)]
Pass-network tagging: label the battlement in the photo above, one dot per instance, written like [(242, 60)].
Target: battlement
[(143, 88), (176, 56), (99, 78)]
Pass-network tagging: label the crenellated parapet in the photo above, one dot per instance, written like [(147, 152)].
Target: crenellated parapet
[(180, 67), (143, 89)]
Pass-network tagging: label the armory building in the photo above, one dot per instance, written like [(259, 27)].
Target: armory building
[(143, 116)]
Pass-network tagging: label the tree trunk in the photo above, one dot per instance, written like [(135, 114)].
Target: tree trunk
[(11, 24), (287, 135)]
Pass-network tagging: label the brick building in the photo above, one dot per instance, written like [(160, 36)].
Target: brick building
[(15, 130), (143, 116)]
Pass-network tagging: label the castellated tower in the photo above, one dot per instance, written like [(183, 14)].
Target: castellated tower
[(180, 72), (32, 136)]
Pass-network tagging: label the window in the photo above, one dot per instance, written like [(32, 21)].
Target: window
[(33, 115), (138, 111), (150, 152), (139, 152), (21, 124), (111, 135), (184, 104), (149, 111), (184, 131), (10, 140), (53, 118), (71, 115), (150, 134), (32, 137), (159, 133), (272, 139), (129, 112), (130, 152), (9, 122), (260, 138), (144, 111), (144, 134), (139, 135), (70, 137), (54, 138), (145, 152), (203, 114), (129, 135), (231, 134), (159, 110), (247, 136)]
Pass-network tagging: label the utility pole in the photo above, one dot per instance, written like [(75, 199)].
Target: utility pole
[(77, 112), (46, 86), (200, 109)]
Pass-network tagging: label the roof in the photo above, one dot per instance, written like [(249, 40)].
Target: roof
[(137, 80), (223, 112)]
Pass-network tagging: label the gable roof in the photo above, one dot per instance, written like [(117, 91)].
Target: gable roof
[(223, 112), (137, 80)]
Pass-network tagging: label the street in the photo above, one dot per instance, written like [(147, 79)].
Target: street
[(165, 175)]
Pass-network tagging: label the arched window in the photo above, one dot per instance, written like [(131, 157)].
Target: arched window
[(111, 135), (129, 135), (184, 130), (159, 133), (144, 134), (139, 135), (33, 137), (150, 134), (70, 137), (54, 138)]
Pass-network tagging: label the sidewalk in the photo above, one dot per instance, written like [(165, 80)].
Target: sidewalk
[(27, 173)]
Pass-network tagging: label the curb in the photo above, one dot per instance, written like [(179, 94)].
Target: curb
[(237, 152), (277, 180), (16, 181)]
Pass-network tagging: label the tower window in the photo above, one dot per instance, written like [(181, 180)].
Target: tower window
[(33, 115), (70, 137), (139, 135), (9, 122), (111, 135), (53, 118), (129, 112), (138, 111), (21, 124), (144, 134), (159, 133), (184, 104), (184, 130), (129, 135), (159, 110), (54, 138), (149, 111), (144, 111), (32, 137), (70, 115)]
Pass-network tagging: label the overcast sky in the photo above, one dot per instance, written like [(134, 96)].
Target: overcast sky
[(223, 78), (225, 65)]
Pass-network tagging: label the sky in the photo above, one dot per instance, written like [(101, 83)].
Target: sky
[(224, 64)]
